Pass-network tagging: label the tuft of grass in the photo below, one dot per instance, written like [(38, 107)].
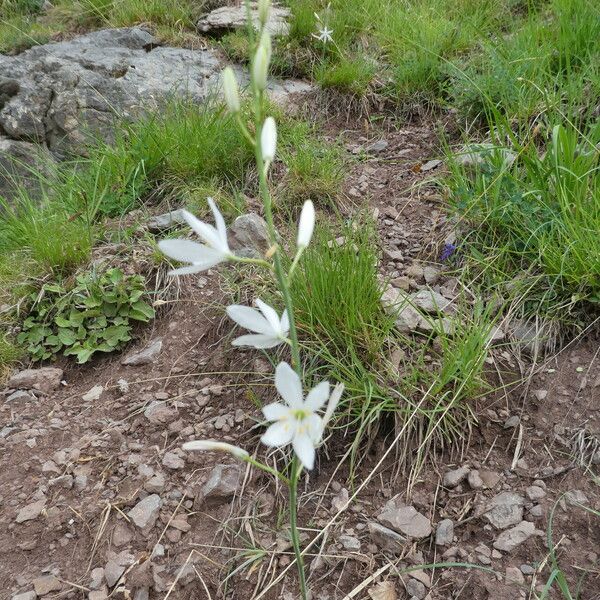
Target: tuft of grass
[(352, 75)]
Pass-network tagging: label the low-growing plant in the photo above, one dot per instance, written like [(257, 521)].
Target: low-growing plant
[(95, 314)]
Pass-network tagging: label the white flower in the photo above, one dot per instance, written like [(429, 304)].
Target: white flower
[(265, 42), (230, 90), (268, 139), (306, 225), (270, 329), (324, 34), (200, 256), (203, 445), (297, 421), (260, 67)]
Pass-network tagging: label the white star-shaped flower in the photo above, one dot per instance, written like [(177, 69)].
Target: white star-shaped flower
[(297, 421), (200, 256), (324, 34), (270, 330)]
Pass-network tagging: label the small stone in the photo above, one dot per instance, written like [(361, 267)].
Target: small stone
[(505, 509), (475, 481), (98, 595), (508, 540), (431, 274), (527, 570), (535, 493), (444, 533), (454, 477), (574, 497), (540, 395), (431, 164), (45, 379), (146, 356), (20, 395), (514, 576), (223, 482), (46, 584), (145, 512), (166, 221), (93, 394), (250, 235), (173, 461), (349, 542), (25, 596), (113, 572), (415, 589), (155, 484), (31, 511), (96, 578), (431, 302), (406, 520), (121, 535), (64, 481), (158, 413), (377, 147), (386, 539), (227, 18), (536, 511), (512, 422), (490, 478)]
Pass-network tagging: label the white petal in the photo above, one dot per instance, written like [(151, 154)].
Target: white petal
[(334, 400), (276, 411), (278, 434), (184, 250), (220, 223), (288, 385), (317, 396), (313, 427), (285, 323), (187, 270), (305, 450), (249, 318), (201, 445), (257, 340), (268, 139), (306, 225), (207, 232), (270, 315)]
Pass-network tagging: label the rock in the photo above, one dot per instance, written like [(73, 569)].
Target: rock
[(396, 302), (505, 509), (514, 576), (25, 596), (146, 356), (63, 481), (475, 481), (431, 164), (223, 482), (527, 570), (145, 512), (405, 520), (121, 535), (171, 460), (384, 590), (508, 540), (141, 594), (535, 493), (444, 533), (166, 221), (431, 302), (387, 539), (431, 274), (249, 235), (230, 18), (540, 395), (158, 413), (20, 395), (477, 154), (31, 511), (96, 578), (377, 147), (574, 497), (46, 584), (512, 422), (490, 478), (98, 595), (349, 542), (453, 478), (44, 379), (155, 484), (113, 572), (94, 394), (415, 589)]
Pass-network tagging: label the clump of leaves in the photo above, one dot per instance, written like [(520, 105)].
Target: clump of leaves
[(95, 314)]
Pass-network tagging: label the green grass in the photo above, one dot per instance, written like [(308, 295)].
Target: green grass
[(534, 225)]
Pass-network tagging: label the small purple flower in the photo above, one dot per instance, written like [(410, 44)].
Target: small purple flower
[(447, 251)]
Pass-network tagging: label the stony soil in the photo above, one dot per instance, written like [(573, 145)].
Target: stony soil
[(97, 499)]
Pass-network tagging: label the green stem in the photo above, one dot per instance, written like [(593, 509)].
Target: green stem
[(294, 525), (267, 469)]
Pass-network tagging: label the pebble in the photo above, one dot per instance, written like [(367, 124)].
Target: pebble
[(46, 584), (25, 596), (453, 478), (534, 493), (173, 461), (386, 539), (405, 520), (146, 356), (508, 540), (349, 542), (31, 511), (158, 413), (514, 576), (512, 422), (475, 481), (223, 482), (145, 512), (444, 533), (527, 569), (155, 484), (505, 509), (415, 589), (45, 379)]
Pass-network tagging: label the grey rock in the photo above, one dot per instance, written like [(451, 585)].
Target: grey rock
[(349, 542), (146, 356), (415, 589), (387, 539), (141, 594), (156, 483), (514, 576), (431, 302), (377, 147), (508, 540), (222, 484), (20, 395), (121, 535), (96, 578), (527, 570), (454, 477), (171, 460), (44, 379), (158, 413), (145, 512), (431, 164), (444, 533), (475, 481), (512, 422), (575, 497), (535, 493), (431, 274), (250, 235), (31, 511), (113, 572), (405, 520), (166, 221), (505, 509), (396, 302), (25, 596), (473, 155), (229, 18), (63, 481), (46, 584)]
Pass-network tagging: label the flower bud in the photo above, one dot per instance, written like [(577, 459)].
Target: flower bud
[(230, 90), (202, 445), (265, 41), (306, 225), (268, 139), (264, 8), (260, 67)]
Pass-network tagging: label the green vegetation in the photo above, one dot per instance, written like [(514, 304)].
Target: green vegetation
[(93, 314), (534, 224)]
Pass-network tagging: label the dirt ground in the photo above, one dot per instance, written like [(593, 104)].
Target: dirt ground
[(88, 462)]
